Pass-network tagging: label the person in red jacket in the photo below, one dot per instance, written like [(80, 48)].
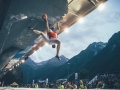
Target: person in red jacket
[(50, 38)]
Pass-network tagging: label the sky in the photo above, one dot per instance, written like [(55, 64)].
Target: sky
[(98, 26)]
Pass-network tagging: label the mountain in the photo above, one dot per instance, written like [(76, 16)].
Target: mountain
[(32, 70), (46, 68), (42, 63), (54, 61), (108, 60), (77, 62)]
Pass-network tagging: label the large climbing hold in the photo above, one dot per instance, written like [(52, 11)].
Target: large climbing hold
[(44, 16)]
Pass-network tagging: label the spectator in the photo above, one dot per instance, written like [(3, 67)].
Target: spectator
[(87, 86), (104, 86), (99, 85), (36, 85), (117, 84), (2, 83), (61, 86), (68, 86), (74, 86), (110, 84), (81, 85)]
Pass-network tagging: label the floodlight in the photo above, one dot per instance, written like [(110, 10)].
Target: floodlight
[(101, 6)]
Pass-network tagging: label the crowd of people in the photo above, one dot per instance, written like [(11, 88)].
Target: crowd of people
[(107, 81), (102, 81), (58, 85)]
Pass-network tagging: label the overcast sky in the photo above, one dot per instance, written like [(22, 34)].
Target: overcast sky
[(98, 26)]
